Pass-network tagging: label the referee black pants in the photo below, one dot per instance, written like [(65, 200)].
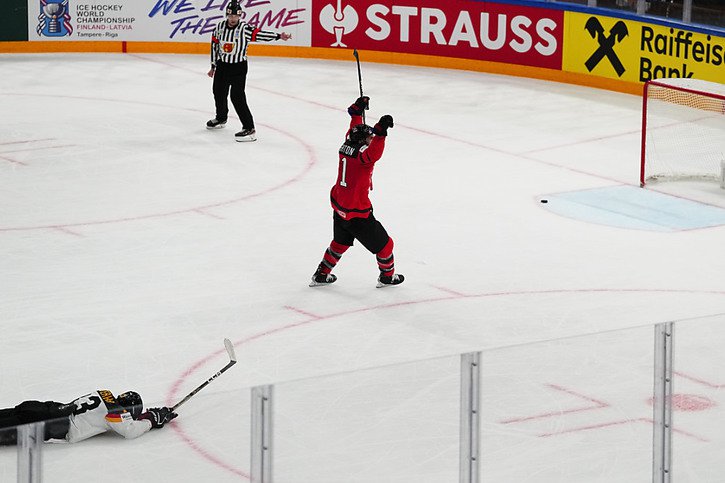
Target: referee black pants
[(230, 80)]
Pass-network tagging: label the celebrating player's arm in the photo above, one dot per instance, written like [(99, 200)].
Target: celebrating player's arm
[(375, 141)]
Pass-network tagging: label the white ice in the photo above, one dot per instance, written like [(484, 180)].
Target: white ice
[(133, 241)]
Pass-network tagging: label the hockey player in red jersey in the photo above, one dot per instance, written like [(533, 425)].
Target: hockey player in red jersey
[(352, 211), (85, 417)]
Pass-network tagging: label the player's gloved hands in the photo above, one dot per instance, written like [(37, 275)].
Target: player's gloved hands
[(361, 104), (385, 122), (158, 416)]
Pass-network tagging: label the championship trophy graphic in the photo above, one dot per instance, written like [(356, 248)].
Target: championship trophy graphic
[(338, 21), (54, 19)]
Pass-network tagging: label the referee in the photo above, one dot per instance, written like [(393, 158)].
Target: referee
[(229, 68)]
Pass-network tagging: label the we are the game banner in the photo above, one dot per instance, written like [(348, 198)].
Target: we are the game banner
[(159, 20)]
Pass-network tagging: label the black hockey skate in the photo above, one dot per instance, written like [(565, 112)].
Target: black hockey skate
[(215, 124), (320, 278), (384, 281), (246, 135)]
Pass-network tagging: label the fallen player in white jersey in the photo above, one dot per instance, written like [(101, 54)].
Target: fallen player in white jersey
[(87, 416)]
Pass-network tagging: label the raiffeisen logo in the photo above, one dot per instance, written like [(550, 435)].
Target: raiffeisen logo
[(468, 29), (606, 42)]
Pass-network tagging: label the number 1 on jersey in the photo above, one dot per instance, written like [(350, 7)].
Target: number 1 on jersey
[(343, 172)]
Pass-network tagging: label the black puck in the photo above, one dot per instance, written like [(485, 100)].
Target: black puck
[(544, 201)]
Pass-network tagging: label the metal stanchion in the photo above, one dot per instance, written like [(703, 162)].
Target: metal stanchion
[(30, 444), (261, 451), (662, 402), (470, 410)]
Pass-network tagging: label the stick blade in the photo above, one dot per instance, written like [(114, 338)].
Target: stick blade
[(230, 350)]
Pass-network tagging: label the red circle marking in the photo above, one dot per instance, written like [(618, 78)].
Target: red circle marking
[(311, 161), (451, 295)]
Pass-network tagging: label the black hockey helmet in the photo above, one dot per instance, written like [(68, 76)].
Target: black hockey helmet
[(359, 133), (234, 8), (131, 402)]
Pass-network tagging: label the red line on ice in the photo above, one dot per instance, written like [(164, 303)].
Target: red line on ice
[(172, 396)]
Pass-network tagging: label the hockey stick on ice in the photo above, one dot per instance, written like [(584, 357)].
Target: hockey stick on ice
[(359, 77), (232, 360)]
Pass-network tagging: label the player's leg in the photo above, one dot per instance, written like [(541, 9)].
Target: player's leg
[(9, 419), (341, 241), (375, 238), (8, 436), (56, 426), (54, 414)]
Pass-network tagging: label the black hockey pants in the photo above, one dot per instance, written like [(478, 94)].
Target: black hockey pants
[(55, 414)]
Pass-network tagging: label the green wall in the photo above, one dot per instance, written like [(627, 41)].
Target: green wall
[(14, 20)]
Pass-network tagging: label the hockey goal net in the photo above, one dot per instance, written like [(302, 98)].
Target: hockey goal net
[(683, 130)]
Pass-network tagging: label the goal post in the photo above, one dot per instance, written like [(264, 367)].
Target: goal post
[(683, 130)]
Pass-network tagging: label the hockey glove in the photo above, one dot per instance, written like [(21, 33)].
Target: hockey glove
[(361, 104), (158, 416), (385, 122)]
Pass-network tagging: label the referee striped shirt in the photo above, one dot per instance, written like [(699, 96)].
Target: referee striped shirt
[(229, 45)]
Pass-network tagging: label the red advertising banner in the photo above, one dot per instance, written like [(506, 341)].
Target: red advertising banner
[(466, 29)]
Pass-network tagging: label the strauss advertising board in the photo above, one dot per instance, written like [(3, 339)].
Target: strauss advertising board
[(465, 29)]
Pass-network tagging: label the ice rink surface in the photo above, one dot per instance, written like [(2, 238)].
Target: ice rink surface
[(134, 241)]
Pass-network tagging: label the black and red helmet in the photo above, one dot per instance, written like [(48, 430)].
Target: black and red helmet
[(131, 402), (359, 133)]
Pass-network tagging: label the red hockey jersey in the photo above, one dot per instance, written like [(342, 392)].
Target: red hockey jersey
[(349, 196)]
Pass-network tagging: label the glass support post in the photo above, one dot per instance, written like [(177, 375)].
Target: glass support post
[(261, 438), (662, 403), (30, 444), (470, 410)]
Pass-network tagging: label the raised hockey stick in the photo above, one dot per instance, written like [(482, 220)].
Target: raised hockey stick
[(232, 360), (359, 77)]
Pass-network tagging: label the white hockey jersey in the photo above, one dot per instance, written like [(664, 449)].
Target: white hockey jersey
[(99, 412)]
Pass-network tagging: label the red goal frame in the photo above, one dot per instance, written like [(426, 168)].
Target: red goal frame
[(645, 97)]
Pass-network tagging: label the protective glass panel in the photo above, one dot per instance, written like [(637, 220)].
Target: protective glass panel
[(580, 2), (698, 401), (575, 409), (627, 5), (665, 8), (397, 423), (709, 12)]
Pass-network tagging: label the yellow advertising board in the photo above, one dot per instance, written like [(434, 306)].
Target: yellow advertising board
[(637, 52)]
